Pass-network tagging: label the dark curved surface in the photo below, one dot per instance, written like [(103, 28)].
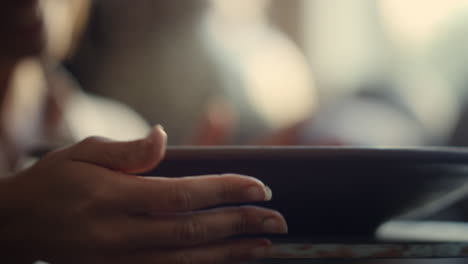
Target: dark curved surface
[(333, 192)]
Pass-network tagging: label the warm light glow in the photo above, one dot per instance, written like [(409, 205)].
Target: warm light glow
[(280, 85), (239, 9), (415, 22)]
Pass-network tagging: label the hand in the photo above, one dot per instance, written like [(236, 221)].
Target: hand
[(82, 205)]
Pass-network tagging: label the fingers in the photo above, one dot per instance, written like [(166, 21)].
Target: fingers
[(236, 251), (204, 227), (128, 157), (190, 193)]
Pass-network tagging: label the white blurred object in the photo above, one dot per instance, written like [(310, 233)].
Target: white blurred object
[(430, 98), (84, 115), (382, 46), (426, 231), (345, 45), (364, 122), (414, 24), (87, 115)]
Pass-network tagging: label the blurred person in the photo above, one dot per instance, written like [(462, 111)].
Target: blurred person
[(83, 204)]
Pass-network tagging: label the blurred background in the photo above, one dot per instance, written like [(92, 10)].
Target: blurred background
[(295, 72)]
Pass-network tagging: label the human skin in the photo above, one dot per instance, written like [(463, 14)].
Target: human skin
[(83, 204)]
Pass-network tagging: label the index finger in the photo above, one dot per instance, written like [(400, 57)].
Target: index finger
[(159, 194)]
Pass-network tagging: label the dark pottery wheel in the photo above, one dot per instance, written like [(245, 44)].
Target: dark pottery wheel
[(328, 193)]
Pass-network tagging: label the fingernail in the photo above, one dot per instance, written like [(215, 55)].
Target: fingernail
[(153, 132), (268, 194), (257, 194), (160, 127), (274, 226)]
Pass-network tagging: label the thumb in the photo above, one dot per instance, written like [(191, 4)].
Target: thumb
[(129, 157)]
